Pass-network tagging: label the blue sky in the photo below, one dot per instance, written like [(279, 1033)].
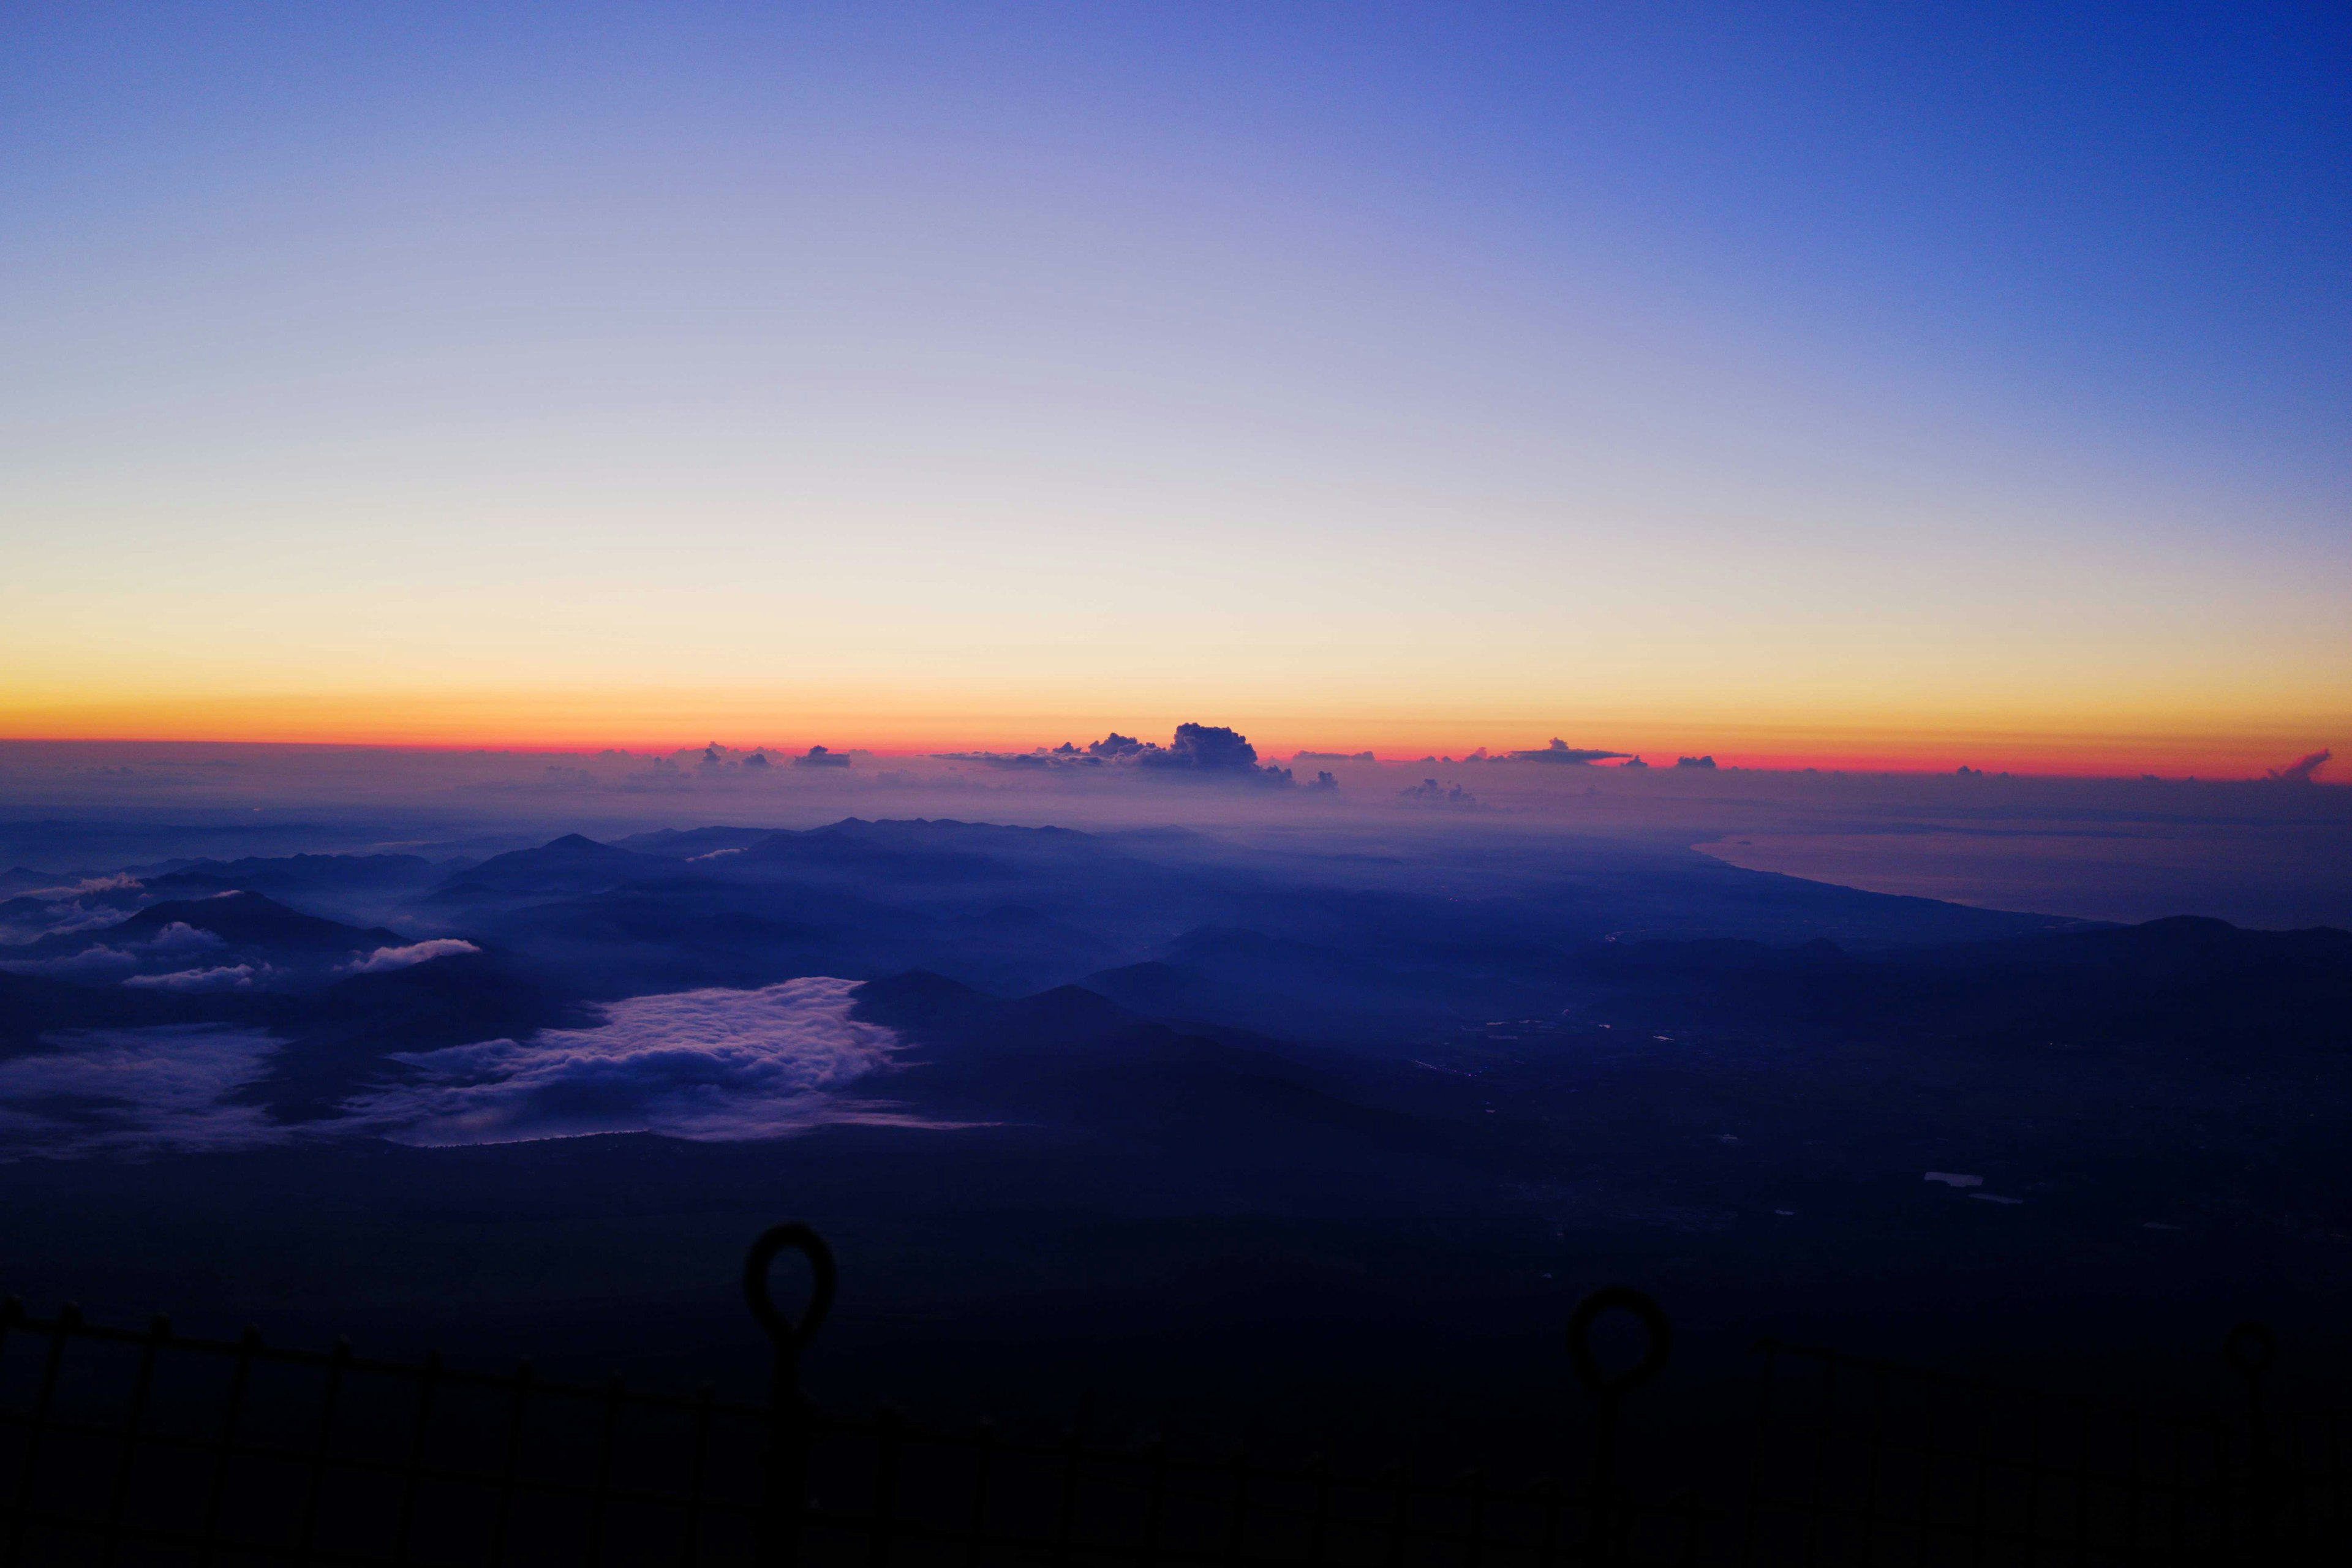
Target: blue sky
[(1352, 370)]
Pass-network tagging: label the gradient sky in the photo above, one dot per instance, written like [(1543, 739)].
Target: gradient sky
[(1919, 384)]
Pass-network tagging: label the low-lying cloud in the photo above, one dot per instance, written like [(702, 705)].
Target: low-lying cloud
[(706, 1065), (135, 1091), (225, 978), (384, 957), (97, 962), (712, 1066)]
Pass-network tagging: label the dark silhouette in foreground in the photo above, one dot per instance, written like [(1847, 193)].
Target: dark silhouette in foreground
[(138, 1446)]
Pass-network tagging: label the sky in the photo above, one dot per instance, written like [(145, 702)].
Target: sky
[(1914, 386)]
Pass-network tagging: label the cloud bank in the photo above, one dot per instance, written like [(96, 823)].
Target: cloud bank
[(223, 977), (706, 1065), (135, 1091), (384, 957), (713, 1066), (1210, 751), (2303, 768)]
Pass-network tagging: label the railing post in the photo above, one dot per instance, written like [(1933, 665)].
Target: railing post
[(1603, 1530), (790, 1418), (2250, 1349)]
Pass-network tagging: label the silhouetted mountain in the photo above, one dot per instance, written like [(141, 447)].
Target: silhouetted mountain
[(1077, 1062), (240, 920), (339, 1039), (2183, 985), (1227, 974), (686, 844), (32, 1007), (571, 864), (944, 852), (297, 874)]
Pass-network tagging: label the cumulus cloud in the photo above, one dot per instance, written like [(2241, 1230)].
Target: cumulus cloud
[(819, 757), (1204, 748), (708, 1065), (1429, 792), (384, 957), (2301, 770), (134, 1091), (1210, 750), (227, 977)]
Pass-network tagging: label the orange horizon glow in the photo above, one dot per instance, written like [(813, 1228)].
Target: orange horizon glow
[(1770, 748)]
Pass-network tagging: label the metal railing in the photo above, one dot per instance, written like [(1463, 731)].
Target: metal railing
[(1864, 1462), (125, 1447), (129, 1448)]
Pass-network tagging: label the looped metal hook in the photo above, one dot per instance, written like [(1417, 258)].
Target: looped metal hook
[(2250, 1349), (788, 1336), (1659, 1332)]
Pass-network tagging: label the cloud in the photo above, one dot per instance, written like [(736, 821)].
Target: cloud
[(1695, 761), (1211, 750), (120, 882), (91, 963), (1204, 748), (65, 919), (819, 757), (1560, 753), (1429, 792), (2300, 771), (384, 957), (227, 977), (706, 1065), (177, 939), (180, 937), (135, 1091)]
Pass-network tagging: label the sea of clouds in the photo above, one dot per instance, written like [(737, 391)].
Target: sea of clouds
[(712, 1065)]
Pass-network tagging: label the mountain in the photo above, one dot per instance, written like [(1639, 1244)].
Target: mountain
[(32, 1007), (1077, 1063), (693, 842), (1248, 979), (341, 1038), (571, 864), (238, 921), (297, 874), (2184, 985)]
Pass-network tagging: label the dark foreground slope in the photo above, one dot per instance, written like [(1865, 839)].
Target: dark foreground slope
[(1321, 1148), (1234, 1233)]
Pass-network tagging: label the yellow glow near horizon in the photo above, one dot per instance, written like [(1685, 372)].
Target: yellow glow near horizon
[(647, 719)]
